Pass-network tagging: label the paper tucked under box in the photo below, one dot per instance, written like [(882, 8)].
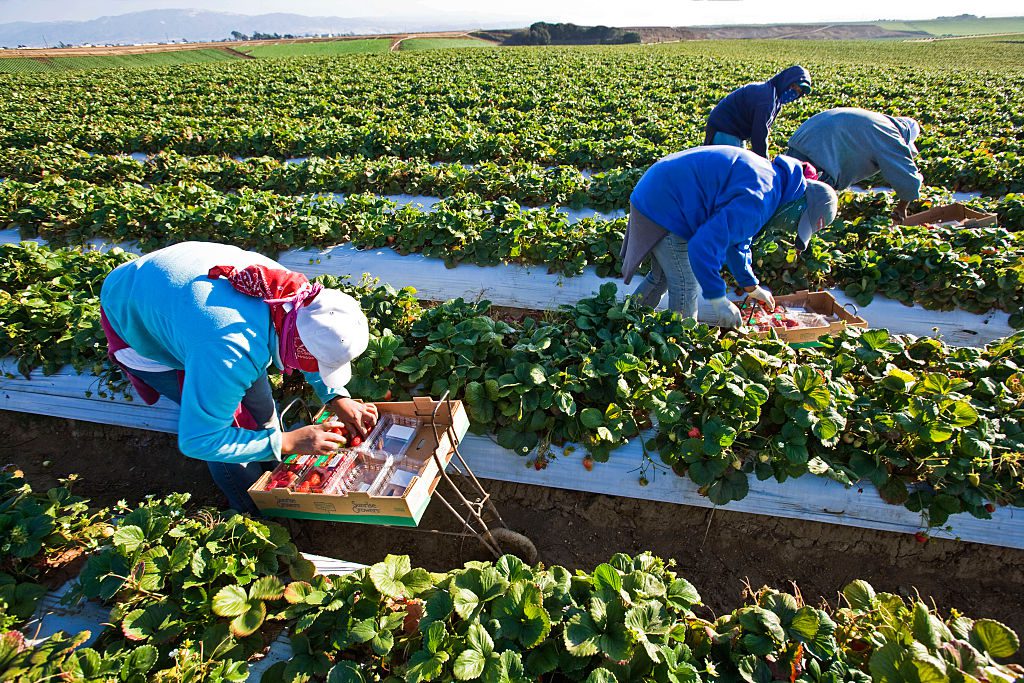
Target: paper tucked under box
[(417, 466), (952, 213), (822, 303)]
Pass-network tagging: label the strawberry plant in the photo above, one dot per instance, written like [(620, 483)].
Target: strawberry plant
[(602, 118), (44, 536), (942, 268), (180, 582), (194, 594), (935, 428), (890, 637)]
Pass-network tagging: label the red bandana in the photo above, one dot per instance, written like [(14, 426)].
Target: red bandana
[(277, 288)]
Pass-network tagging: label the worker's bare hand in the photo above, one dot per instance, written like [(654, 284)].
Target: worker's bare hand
[(312, 439), (358, 417)]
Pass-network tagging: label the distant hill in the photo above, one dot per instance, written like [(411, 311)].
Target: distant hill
[(660, 34), (963, 25), (162, 26), (159, 26)]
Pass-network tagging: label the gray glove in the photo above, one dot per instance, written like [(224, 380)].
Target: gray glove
[(727, 313)]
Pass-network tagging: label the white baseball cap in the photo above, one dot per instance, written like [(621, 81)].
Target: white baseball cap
[(334, 329), (822, 204)]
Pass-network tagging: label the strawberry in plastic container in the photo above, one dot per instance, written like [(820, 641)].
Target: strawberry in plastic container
[(287, 474), (325, 475)]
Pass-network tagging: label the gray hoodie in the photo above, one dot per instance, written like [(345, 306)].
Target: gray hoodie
[(848, 145)]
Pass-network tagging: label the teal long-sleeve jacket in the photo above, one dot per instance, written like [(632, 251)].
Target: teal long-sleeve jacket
[(167, 309)]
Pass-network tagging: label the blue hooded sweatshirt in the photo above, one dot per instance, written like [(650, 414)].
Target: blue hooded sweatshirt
[(718, 198), (749, 111)]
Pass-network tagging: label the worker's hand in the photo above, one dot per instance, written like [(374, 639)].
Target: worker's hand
[(312, 439), (762, 296), (899, 214), (728, 315), (359, 417)]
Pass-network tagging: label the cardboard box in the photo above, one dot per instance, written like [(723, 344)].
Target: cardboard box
[(385, 510), (956, 213), (818, 302)]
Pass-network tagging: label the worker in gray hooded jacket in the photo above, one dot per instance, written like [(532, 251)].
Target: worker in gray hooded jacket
[(848, 145)]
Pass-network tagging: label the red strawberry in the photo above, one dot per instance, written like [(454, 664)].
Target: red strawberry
[(990, 507), (694, 433), (537, 465), (387, 396), (921, 537), (858, 645), (588, 463), (356, 441)]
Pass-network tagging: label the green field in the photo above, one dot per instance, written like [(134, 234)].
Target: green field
[(324, 48), (959, 27), (978, 54), (22, 65), (169, 58), (439, 43)]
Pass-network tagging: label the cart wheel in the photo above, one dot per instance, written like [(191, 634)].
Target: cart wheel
[(515, 544)]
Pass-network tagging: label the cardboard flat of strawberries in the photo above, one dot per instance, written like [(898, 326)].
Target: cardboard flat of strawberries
[(801, 319)]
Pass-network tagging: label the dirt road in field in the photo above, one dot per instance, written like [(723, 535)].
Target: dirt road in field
[(719, 553)]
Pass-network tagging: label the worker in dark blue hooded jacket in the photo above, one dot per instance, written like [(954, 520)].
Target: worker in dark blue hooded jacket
[(747, 113), (698, 211)]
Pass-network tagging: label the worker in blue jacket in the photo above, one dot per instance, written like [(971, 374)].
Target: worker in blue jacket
[(747, 113), (200, 323), (698, 210)]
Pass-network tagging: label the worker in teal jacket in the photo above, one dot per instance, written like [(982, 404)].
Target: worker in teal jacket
[(200, 324), (848, 145), (748, 112), (699, 210)]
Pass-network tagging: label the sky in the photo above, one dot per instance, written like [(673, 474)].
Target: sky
[(609, 12)]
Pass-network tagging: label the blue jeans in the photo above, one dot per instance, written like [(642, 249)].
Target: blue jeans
[(233, 479), (726, 139), (671, 272)]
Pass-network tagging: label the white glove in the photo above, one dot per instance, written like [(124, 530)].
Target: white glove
[(764, 296), (727, 313)]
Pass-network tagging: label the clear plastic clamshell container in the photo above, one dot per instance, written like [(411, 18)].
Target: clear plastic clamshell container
[(326, 473), (368, 474), (393, 434)]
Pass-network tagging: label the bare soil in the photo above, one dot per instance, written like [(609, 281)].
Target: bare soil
[(720, 552)]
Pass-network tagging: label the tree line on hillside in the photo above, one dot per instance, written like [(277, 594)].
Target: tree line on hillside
[(544, 33), (238, 35)]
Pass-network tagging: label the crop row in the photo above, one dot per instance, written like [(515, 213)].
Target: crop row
[(936, 428), (587, 108), (525, 182), (195, 594), (943, 268)]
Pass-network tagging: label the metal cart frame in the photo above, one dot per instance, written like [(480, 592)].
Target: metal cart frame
[(470, 502)]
